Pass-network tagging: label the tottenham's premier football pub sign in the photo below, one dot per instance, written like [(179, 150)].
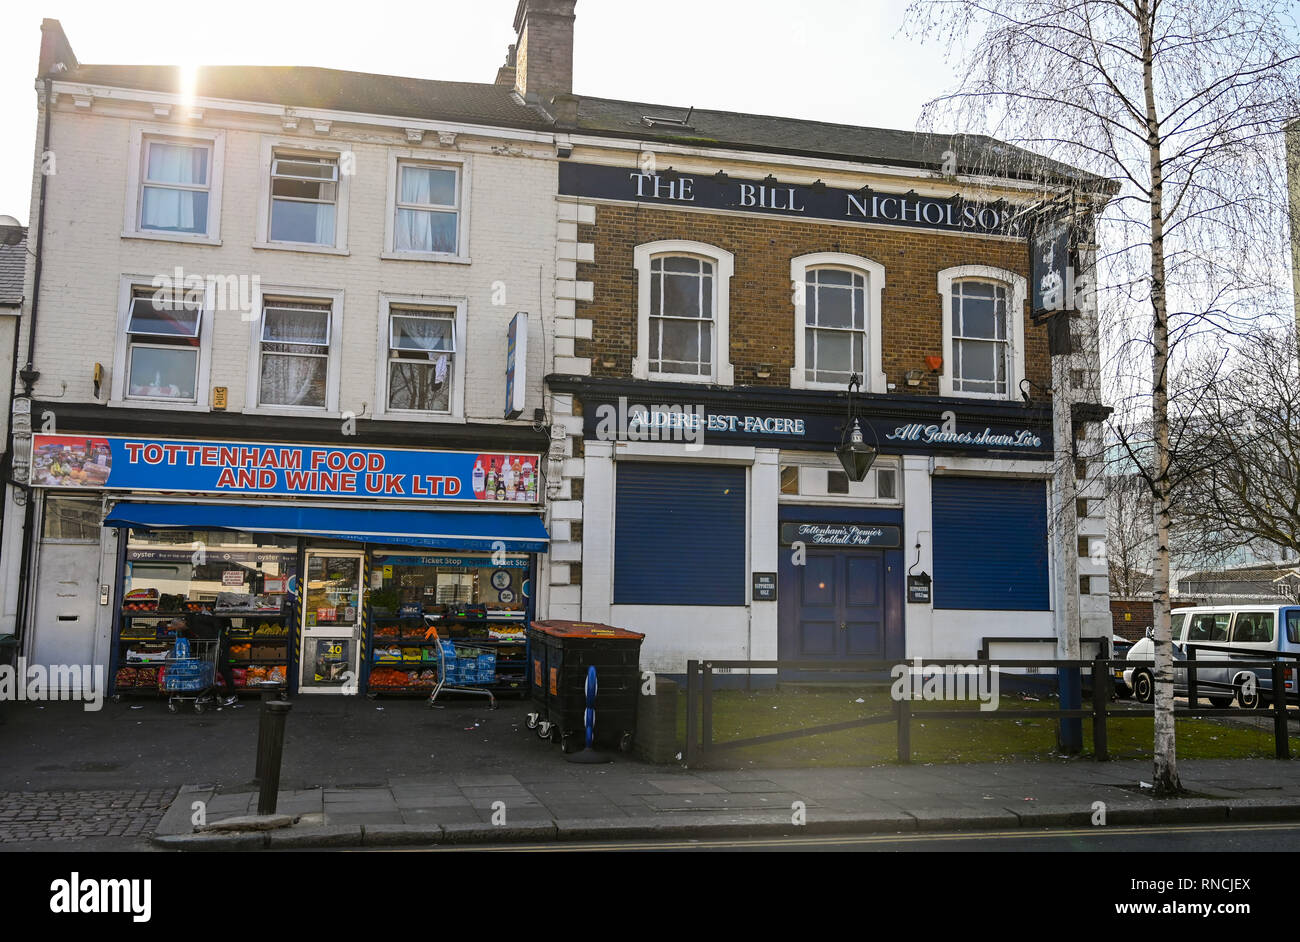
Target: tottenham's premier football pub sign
[(815, 201)]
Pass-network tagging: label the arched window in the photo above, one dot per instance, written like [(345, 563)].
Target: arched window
[(983, 332), (682, 324), (837, 321)]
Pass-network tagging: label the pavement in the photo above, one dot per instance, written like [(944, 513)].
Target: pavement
[(359, 773)]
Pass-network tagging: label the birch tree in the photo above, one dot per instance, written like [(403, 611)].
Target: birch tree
[(1180, 104)]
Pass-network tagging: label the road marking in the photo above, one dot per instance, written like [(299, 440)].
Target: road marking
[(900, 837)]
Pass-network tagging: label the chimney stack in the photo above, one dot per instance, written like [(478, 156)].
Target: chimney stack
[(506, 74), (56, 52), (544, 49)]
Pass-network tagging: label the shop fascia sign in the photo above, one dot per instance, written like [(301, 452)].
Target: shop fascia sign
[(720, 192), (946, 433), (274, 469), (695, 423)]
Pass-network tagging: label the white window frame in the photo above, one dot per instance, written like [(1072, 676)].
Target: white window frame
[(458, 372), (140, 133), (1015, 285), (458, 162), (118, 388), (809, 461), (723, 267), (273, 147), (253, 383), (873, 380)]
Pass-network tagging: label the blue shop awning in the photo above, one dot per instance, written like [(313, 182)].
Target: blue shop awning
[(432, 529)]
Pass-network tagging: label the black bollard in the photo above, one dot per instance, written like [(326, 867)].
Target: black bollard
[(270, 751), (269, 692)]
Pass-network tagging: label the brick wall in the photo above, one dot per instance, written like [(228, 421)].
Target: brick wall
[(1131, 617), (762, 309)]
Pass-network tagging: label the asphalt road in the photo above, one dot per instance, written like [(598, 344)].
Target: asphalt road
[(1252, 838)]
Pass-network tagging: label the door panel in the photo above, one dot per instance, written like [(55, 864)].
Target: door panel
[(839, 608), (66, 602)]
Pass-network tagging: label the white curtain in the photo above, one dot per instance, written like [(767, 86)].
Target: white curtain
[(291, 380), (167, 208), (324, 224), (415, 229)]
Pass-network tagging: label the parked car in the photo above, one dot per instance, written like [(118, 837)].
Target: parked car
[(1249, 631), (1119, 648)]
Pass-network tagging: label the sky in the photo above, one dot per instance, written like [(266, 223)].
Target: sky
[(828, 60)]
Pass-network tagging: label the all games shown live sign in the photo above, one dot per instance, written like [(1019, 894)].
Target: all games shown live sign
[(841, 534), (630, 184)]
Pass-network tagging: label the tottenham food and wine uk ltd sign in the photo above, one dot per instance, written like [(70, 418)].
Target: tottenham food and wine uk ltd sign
[(249, 468)]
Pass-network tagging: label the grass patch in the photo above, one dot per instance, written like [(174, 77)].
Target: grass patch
[(741, 715)]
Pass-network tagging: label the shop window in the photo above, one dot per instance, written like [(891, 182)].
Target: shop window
[(682, 327), (421, 354), (837, 321), (679, 535), (981, 560), (71, 518), (162, 357), (983, 332), (443, 584)]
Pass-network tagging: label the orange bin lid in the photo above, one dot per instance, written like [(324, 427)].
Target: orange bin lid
[(584, 629)]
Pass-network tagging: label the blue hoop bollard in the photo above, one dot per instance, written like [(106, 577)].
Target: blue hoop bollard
[(588, 754)]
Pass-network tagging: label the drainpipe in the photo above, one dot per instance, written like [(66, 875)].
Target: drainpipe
[(29, 375)]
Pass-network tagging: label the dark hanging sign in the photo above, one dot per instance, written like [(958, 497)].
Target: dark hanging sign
[(817, 201), (1054, 284), (764, 587), (860, 535), (1051, 271), (918, 588)]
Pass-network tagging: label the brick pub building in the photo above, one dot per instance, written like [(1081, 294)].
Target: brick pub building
[(730, 274)]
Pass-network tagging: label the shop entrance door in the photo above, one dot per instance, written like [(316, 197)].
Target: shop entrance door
[(65, 603), (839, 608), (331, 622)]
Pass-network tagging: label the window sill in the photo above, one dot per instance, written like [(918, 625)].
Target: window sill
[(441, 417), (427, 257), (292, 411), (992, 397), (680, 378), (301, 247), (157, 404), (172, 237)]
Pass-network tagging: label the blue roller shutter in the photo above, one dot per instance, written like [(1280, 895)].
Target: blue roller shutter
[(990, 544), (679, 535)]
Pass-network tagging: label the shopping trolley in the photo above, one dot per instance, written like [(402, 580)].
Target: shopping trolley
[(446, 652), (189, 674)]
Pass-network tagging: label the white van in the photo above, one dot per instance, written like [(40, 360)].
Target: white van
[(1247, 630)]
